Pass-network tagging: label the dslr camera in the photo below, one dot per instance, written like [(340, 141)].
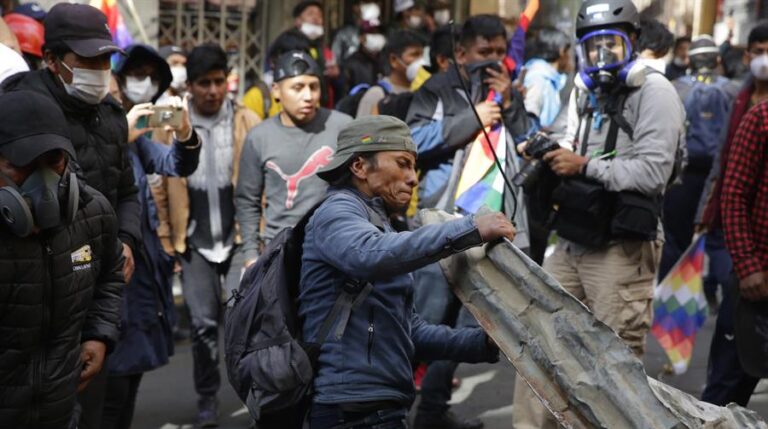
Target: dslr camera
[(529, 177)]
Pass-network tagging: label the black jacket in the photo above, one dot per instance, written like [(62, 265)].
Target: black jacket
[(100, 137), (359, 68), (57, 289)]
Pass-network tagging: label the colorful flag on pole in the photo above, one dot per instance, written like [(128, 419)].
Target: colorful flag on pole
[(120, 34), (480, 182), (680, 307)]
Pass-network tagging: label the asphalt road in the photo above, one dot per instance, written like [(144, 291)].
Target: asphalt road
[(167, 399)]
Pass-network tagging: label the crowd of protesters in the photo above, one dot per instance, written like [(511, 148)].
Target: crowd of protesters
[(122, 167)]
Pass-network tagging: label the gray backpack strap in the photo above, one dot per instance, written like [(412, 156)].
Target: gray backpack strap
[(350, 297), (352, 294)]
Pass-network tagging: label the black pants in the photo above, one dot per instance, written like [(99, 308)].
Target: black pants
[(120, 401), (334, 417), (726, 380), (90, 401)]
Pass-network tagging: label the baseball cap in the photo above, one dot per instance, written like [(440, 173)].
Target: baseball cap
[(23, 139), (81, 27), (296, 63), (368, 134), (32, 10)]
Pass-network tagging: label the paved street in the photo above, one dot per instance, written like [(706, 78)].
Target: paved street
[(167, 398)]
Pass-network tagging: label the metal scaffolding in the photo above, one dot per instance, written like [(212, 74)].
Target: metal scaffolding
[(238, 26)]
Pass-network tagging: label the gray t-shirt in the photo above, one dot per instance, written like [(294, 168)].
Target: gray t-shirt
[(279, 164)]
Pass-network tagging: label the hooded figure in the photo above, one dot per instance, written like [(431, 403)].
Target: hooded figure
[(148, 313)]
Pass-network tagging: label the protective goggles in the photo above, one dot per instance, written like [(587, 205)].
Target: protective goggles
[(604, 50)]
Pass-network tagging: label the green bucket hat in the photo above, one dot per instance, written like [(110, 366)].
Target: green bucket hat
[(368, 134)]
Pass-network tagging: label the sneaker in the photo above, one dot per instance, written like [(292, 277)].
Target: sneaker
[(449, 420), (207, 412)]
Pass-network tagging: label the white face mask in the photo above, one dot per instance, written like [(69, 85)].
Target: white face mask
[(139, 90), (414, 21), (90, 86), (312, 31), (370, 12), (442, 16), (759, 67), (374, 43), (413, 69), (179, 82)]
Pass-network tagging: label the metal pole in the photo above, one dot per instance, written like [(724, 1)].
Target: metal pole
[(243, 51), (223, 24), (263, 48), (137, 21), (201, 22), (179, 23)]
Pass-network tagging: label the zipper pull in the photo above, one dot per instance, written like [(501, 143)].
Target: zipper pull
[(48, 249)]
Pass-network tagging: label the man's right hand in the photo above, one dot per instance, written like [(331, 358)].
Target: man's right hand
[(489, 113), (493, 226), (754, 287)]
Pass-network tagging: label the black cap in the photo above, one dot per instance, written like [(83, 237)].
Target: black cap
[(296, 63), (22, 138), (81, 27), (303, 5), (168, 50)]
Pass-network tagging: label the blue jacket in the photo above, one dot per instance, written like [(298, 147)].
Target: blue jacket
[(148, 314), (543, 84), (372, 361)]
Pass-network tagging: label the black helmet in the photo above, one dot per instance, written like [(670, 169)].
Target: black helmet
[(606, 13)]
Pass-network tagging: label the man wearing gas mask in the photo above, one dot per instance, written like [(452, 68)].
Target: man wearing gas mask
[(61, 264), (626, 127), (77, 50), (443, 126)]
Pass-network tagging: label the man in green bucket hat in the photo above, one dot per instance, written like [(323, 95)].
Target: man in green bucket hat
[(364, 377)]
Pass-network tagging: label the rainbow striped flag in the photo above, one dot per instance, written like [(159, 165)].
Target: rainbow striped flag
[(680, 307), (480, 182), (120, 34)]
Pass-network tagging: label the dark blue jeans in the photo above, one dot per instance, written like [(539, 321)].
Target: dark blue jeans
[(720, 264), (333, 417), (726, 380), (436, 304)]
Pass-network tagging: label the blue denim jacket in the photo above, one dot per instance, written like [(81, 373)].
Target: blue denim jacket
[(372, 360)]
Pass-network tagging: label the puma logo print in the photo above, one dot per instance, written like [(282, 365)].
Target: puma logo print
[(316, 161)]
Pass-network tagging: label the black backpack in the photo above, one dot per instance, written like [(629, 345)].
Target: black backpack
[(269, 364), (350, 103), (396, 105)]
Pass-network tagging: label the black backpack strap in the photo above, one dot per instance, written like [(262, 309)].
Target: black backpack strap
[(615, 111)]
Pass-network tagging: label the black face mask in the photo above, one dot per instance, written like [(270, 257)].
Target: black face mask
[(44, 200), (477, 75)]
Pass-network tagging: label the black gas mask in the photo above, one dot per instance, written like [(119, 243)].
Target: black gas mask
[(45, 200)]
